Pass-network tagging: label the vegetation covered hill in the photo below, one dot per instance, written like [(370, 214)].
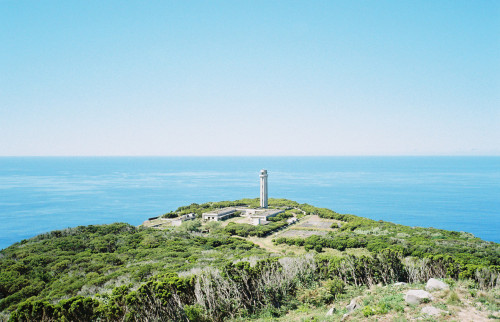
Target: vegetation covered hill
[(216, 271)]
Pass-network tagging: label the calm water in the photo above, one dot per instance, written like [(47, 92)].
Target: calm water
[(43, 194)]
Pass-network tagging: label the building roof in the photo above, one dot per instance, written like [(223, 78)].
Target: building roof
[(222, 211), (267, 213)]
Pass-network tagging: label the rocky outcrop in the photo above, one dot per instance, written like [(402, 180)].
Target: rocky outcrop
[(434, 284), (432, 311), (352, 306), (418, 296)]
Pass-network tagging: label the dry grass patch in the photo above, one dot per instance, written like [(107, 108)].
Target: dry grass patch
[(299, 233), (358, 252), (267, 244), (236, 220), (159, 223), (317, 222)]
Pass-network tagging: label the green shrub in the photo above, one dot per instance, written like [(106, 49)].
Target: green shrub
[(316, 296), (453, 298), (336, 287), (368, 311), (194, 313)]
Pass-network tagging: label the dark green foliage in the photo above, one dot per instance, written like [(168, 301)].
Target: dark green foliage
[(113, 307), (368, 311), (76, 309), (245, 230), (161, 298), (335, 286), (195, 313), (274, 202), (464, 254), (326, 213), (384, 268), (281, 217), (34, 311), (239, 289), (340, 242), (60, 263)]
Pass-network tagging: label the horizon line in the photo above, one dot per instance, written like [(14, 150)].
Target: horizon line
[(248, 156)]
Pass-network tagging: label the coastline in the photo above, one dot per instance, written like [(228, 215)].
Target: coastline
[(455, 193)]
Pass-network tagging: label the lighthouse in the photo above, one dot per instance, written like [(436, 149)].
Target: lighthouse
[(263, 188)]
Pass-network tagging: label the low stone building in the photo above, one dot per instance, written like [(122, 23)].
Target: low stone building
[(219, 214), (178, 221), (261, 215)]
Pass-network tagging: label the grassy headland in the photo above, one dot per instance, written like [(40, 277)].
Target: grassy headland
[(234, 270)]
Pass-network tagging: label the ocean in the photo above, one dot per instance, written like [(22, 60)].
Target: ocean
[(40, 194)]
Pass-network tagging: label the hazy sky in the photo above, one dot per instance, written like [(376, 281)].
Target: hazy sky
[(249, 77)]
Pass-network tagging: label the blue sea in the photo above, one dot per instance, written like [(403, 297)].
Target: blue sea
[(40, 194)]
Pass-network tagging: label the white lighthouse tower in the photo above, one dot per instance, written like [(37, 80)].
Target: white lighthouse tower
[(263, 188)]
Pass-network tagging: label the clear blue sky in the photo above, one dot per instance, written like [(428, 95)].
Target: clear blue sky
[(249, 77)]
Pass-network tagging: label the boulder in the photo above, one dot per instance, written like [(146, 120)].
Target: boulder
[(344, 317), (399, 283), (434, 284), (330, 311), (352, 306), (417, 296), (433, 311)]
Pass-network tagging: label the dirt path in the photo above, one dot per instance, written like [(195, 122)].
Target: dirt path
[(261, 243)]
